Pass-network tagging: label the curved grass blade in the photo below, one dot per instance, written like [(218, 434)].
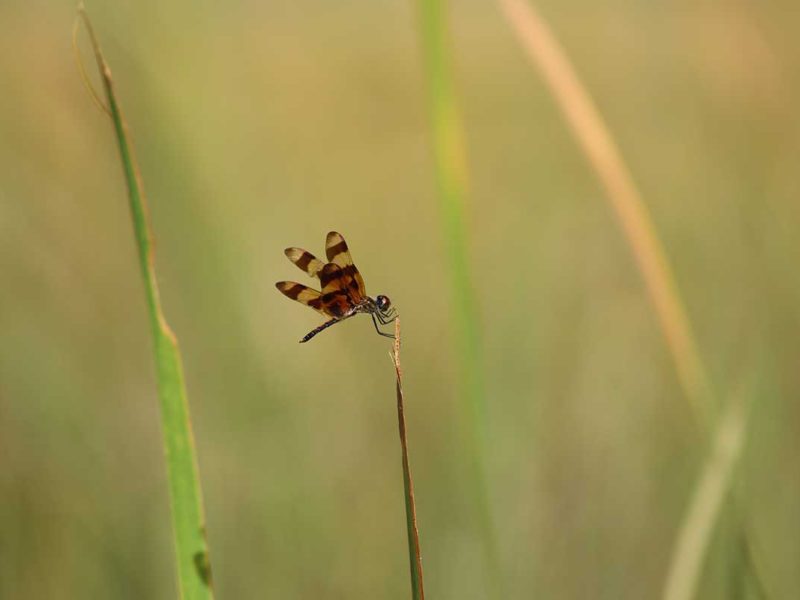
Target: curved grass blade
[(597, 143), (194, 570), (706, 504)]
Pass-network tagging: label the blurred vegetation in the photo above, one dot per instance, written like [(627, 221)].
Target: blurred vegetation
[(263, 126)]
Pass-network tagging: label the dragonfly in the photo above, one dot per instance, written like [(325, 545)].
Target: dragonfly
[(343, 294)]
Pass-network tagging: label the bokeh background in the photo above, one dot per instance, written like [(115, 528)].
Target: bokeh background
[(261, 125)]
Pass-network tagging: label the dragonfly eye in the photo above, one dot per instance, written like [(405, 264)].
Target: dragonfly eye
[(383, 302)]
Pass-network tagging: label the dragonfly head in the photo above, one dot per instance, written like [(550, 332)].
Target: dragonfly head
[(383, 303), (386, 311)]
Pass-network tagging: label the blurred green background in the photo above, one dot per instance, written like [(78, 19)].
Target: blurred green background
[(261, 125)]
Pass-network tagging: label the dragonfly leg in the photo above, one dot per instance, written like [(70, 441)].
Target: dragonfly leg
[(375, 320)]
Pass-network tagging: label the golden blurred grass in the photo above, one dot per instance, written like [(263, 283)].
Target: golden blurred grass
[(596, 142), (263, 126)]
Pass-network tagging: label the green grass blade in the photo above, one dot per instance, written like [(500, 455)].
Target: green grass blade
[(705, 507), (194, 571), (452, 179)]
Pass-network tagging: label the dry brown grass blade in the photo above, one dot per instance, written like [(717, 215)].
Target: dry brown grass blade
[(593, 135), (414, 552), (591, 132)]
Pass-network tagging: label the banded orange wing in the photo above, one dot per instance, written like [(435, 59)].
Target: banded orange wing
[(305, 261), (338, 253), (303, 294)]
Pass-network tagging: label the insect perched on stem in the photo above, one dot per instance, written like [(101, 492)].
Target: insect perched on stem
[(343, 293)]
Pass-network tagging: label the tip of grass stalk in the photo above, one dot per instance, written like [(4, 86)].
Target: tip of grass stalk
[(396, 347), (83, 16)]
